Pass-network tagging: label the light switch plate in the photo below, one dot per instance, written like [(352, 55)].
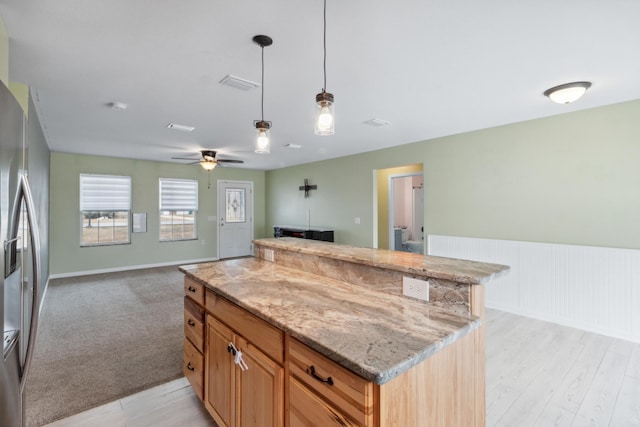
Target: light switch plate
[(415, 288)]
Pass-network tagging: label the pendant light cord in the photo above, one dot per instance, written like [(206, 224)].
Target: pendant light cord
[(325, 46), (262, 96)]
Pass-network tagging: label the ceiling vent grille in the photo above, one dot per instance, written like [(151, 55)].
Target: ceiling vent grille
[(376, 122), (239, 83), (182, 128)]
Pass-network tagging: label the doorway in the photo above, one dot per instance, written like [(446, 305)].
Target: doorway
[(406, 212), (381, 204), (235, 218)]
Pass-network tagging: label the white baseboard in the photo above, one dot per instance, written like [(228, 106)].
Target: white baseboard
[(129, 268)]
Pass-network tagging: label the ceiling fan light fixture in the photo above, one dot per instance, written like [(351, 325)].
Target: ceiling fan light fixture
[(568, 92), (263, 145), (208, 165)]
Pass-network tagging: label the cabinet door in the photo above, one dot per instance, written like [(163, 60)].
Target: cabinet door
[(308, 410), (220, 381), (260, 388)]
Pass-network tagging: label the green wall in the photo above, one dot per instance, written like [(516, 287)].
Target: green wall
[(570, 179), (67, 257)]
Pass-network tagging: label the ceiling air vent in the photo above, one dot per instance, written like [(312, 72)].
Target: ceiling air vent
[(182, 128), (376, 122), (238, 83)]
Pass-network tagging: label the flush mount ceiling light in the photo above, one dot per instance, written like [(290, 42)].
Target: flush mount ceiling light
[(568, 92), (325, 123), (263, 145)]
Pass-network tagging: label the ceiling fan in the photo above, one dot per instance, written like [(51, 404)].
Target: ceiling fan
[(208, 160)]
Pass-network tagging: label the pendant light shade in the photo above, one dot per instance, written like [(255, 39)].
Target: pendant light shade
[(324, 114), (325, 117), (263, 145), (567, 93)]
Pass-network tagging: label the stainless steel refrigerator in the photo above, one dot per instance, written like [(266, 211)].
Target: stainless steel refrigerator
[(19, 262)]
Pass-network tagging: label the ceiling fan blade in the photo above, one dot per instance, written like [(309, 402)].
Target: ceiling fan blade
[(229, 161), (185, 158)]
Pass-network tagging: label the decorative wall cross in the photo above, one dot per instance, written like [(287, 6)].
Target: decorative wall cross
[(306, 188)]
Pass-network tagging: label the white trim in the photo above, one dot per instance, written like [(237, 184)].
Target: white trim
[(129, 267)]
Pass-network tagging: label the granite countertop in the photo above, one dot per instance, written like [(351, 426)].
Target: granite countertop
[(374, 334), (457, 270)]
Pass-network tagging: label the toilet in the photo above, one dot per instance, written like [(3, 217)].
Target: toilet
[(415, 246)]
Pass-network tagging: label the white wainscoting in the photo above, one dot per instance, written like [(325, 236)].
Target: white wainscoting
[(591, 288)]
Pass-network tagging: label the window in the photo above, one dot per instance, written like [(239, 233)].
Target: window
[(105, 206), (178, 209), (235, 204)]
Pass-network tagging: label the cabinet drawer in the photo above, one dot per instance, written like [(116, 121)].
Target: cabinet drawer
[(308, 410), (192, 366), (346, 390), (194, 323), (269, 339), (194, 290)]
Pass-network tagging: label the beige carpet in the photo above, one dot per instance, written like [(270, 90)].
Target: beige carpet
[(102, 337)]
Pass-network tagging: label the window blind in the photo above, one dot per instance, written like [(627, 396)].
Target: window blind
[(105, 193), (178, 194)]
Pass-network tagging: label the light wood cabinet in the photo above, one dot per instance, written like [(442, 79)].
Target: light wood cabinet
[(193, 356), (437, 392), (348, 393), (253, 397), (307, 409), (289, 383), (220, 382)]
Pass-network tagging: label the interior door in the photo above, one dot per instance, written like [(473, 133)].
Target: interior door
[(235, 218)]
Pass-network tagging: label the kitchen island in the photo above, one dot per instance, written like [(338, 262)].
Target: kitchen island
[(323, 351)]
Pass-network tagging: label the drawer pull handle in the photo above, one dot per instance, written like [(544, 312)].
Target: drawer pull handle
[(189, 367), (312, 372), (190, 322), (191, 289)]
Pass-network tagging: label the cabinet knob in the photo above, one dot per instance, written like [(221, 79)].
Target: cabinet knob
[(190, 322), (191, 289), (312, 372), (189, 367)]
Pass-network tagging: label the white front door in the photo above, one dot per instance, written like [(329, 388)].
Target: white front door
[(235, 218)]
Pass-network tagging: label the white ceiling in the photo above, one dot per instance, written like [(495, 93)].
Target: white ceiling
[(429, 67)]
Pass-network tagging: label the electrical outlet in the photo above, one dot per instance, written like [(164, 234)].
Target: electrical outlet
[(268, 255), (415, 288), (357, 220)]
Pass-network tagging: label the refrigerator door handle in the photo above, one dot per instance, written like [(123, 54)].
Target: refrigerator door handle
[(34, 242)]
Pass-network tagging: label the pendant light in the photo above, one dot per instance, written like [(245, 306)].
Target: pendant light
[(325, 123), (263, 146)]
